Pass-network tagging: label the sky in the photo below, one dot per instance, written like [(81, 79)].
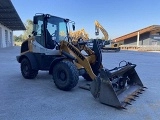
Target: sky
[(118, 17)]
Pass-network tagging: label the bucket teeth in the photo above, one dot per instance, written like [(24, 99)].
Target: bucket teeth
[(132, 99), (135, 95), (128, 103), (139, 92), (145, 87), (142, 89)]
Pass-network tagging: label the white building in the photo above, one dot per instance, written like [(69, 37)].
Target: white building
[(9, 22)]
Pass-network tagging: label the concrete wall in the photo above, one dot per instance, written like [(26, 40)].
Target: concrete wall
[(155, 39), (131, 41), (6, 37), (144, 39)]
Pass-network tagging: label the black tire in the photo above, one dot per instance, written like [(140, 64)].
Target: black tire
[(27, 70), (65, 75)]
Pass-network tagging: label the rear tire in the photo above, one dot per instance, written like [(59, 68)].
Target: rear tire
[(65, 75), (27, 70)]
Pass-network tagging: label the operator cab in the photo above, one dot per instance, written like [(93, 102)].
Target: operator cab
[(50, 30)]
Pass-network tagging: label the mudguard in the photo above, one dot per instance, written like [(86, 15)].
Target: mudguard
[(30, 56), (54, 63)]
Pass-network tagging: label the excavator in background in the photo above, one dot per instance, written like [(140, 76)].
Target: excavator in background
[(105, 44), (50, 48), (79, 34)]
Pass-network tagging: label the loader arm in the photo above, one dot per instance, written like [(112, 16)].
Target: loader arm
[(79, 57)]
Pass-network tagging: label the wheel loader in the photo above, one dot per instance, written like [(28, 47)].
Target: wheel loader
[(51, 49)]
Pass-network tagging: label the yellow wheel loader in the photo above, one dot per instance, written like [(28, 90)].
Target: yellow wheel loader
[(51, 49)]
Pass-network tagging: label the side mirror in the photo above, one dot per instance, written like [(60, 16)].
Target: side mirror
[(73, 27), (35, 20)]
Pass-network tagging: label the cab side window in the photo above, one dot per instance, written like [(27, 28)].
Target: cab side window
[(40, 34)]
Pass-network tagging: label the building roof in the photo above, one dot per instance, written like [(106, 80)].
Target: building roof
[(9, 16), (152, 29)]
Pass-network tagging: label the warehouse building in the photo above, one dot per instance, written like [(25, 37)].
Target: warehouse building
[(146, 36), (145, 39), (9, 22)]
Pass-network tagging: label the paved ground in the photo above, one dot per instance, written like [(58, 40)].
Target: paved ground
[(39, 99)]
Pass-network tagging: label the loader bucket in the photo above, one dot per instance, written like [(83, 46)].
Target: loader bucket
[(117, 87)]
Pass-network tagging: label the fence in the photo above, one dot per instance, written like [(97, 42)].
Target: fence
[(141, 48)]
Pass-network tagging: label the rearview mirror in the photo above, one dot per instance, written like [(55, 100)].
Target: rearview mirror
[(73, 27), (35, 20)]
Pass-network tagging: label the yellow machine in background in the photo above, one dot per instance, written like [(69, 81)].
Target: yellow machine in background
[(79, 34), (106, 45), (97, 27)]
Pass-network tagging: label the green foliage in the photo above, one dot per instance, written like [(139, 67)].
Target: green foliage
[(29, 29), (27, 32), (18, 38)]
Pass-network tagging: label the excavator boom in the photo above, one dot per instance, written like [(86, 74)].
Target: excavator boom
[(99, 26), (106, 45)]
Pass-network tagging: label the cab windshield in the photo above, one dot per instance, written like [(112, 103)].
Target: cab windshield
[(57, 27)]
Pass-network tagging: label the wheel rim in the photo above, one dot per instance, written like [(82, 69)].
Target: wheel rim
[(25, 68), (62, 75)]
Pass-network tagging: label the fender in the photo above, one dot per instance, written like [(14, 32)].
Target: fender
[(54, 62), (30, 56)]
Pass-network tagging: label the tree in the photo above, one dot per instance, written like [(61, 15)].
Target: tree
[(27, 32), (18, 38), (29, 28)]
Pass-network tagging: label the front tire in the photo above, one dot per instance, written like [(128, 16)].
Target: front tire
[(65, 75), (27, 70)]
